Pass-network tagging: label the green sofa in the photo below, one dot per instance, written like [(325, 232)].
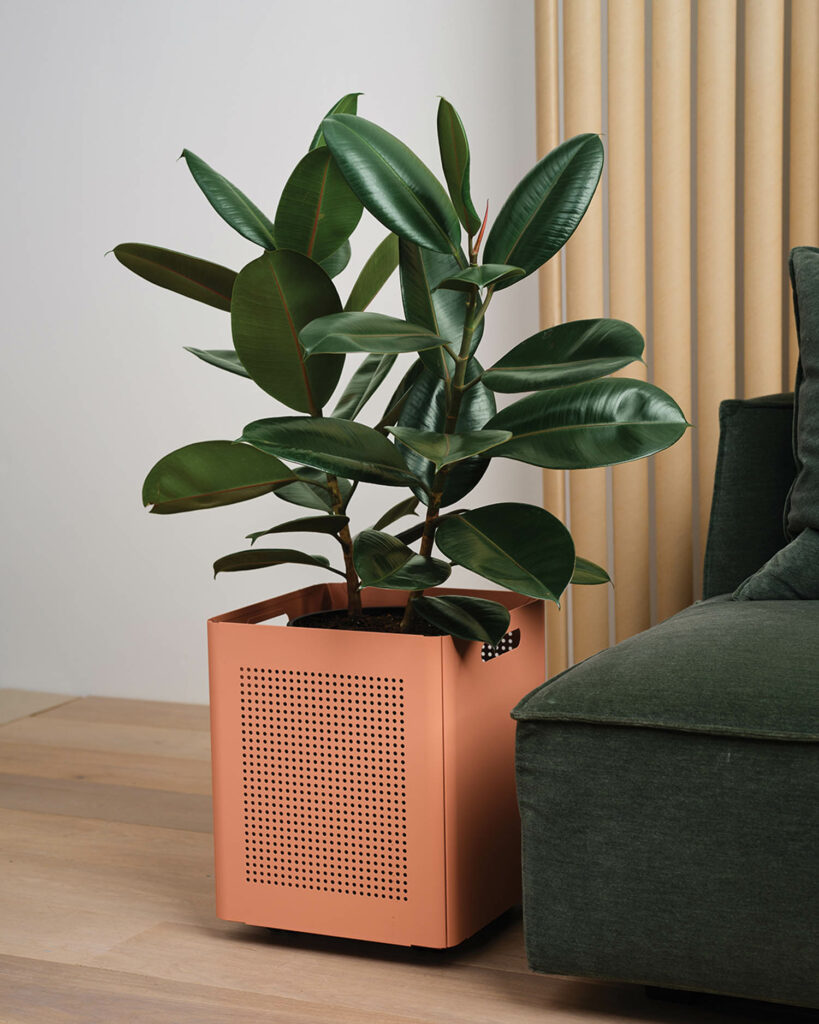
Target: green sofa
[(669, 786)]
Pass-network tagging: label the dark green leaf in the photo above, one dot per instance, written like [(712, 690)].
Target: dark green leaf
[(311, 490), (374, 275), (263, 558), (425, 409), (309, 524), (521, 547), (341, 447), (363, 384), (365, 332), (185, 275), (454, 148), (212, 473), (338, 260), (346, 105), (392, 183), (274, 297), (403, 508), (544, 209), (381, 560), (588, 573), (400, 396), (232, 205), (442, 312), (599, 423), (317, 211), (470, 618), (481, 277), (224, 358), (567, 354), (442, 449)]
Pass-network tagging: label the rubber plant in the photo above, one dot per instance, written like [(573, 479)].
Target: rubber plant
[(440, 428)]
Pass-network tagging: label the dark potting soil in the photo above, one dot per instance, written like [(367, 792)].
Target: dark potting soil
[(371, 620)]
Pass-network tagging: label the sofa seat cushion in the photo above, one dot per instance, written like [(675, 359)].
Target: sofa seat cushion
[(725, 667)]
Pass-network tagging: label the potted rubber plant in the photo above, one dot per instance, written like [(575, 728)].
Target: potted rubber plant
[(363, 770)]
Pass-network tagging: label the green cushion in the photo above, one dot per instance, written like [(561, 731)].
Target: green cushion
[(803, 502), (716, 667), (754, 473), (793, 573)]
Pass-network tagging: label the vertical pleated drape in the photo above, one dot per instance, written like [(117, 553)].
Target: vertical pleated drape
[(709, 111)]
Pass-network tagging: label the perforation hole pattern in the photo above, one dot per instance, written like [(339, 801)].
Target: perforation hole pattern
[(324, 782), (508, 642)]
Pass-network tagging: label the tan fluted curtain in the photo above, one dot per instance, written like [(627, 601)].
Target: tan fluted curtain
[(709, 111)]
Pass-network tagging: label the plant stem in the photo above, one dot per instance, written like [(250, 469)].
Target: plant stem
[(346, 541), (454, 395)]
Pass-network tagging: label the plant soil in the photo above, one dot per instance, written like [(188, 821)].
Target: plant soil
[(371, 620)]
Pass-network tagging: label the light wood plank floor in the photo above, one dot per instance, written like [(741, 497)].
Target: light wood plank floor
[(106, 908)]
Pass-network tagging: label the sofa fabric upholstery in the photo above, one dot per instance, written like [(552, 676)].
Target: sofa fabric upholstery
[(669, 794), (793, 572), (802, 508), (676, 859), (755, 470), (713, 668), (669, 787)]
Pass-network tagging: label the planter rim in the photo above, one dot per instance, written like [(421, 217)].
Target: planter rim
[(333, 597)]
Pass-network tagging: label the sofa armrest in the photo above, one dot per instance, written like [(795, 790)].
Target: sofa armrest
[(755, 469)]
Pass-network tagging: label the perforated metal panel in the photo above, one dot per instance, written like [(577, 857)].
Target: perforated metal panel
[(323, 766)]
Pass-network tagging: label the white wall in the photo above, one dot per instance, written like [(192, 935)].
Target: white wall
[(98, 99)]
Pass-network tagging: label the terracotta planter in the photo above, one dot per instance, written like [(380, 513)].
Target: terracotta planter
[(363, 783)]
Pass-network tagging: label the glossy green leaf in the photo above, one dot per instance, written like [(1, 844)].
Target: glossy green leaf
[(481, 277), (406, 507), (186, 275), (400, 396), (365, 332), (224, 358), (544, 209), (454, 148), (341, 447), (311, 490), (274, 297), (599, 423), (332, 525), (209, 474), (230, 203), (264, 558), (346, 105), (374, 275), (317, 211), (469, 618), (588, 573), (363, 384), (443, 449), (338, 260), (392, 183), (442, 312), (425, 409), (566, 354), (521, 547), (381, 560)]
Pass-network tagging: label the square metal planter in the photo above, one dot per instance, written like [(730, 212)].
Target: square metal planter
[(363, 783)]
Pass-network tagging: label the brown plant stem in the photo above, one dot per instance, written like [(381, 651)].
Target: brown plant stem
[(454, 396), (346, 541)]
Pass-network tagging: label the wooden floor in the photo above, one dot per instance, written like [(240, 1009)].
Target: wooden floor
[(106, 907)]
